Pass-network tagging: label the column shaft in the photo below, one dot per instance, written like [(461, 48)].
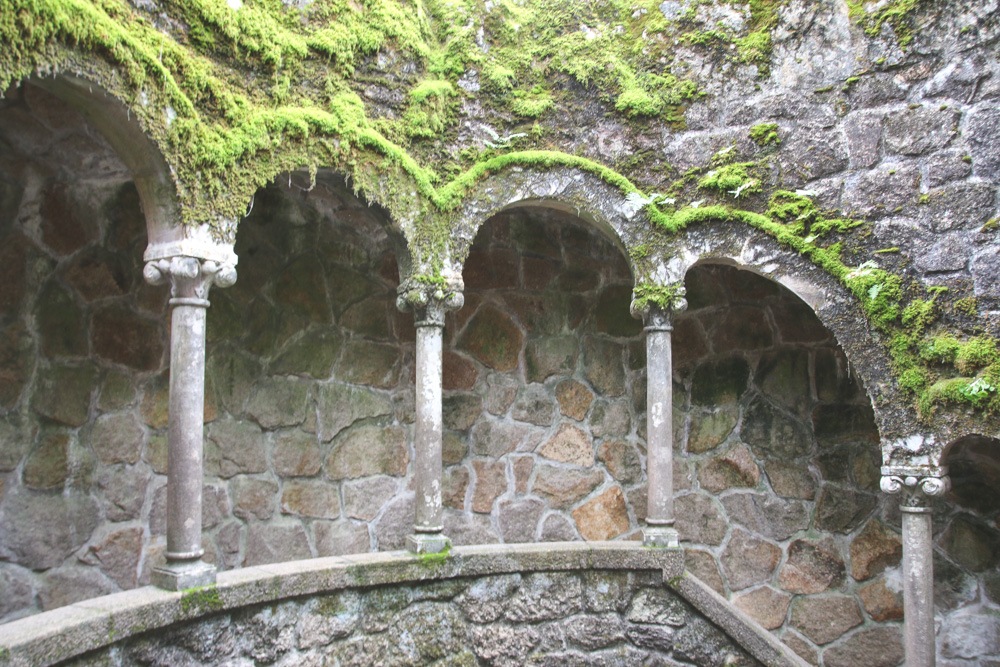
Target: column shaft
[(428, 430), (918, 586), (185, 443), (659, 428)]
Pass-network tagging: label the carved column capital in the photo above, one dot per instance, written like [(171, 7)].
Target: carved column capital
[(429, 303), (190, 278), (915, 487), (654, 316)]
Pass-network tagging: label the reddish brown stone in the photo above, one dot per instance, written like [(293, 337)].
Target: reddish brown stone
[(458, 372), (118, 556), (563, 487), (875, 549), (14, 363), (801, 646), (119, 335), (300, 288), (764, 605), (48, 465), (871, 647), (824, 619), (495, 268), (603, 517), (453, 486), (742, 328), (537, 272), (98, 274), (621, 460), (523, 465), (702, 565), (493, 339), (810, 569), (117, 438), (735, 468), (60, 323), (791, 480), (65, 227), (13, 261), (569, 445), (574, 399), (312, 499), (491, 481), (881, 603), (748, 560), (296, 454), (253, 497)]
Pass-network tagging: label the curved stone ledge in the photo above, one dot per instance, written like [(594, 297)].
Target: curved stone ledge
[(92, 625)]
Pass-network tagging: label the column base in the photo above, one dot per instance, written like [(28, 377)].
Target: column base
[(179, 576), (660, 536), (427, 543)]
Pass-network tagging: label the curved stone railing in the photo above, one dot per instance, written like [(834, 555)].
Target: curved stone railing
[(497, 604)]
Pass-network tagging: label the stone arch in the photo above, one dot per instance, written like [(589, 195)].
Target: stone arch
[(837, 309), (584, 195)]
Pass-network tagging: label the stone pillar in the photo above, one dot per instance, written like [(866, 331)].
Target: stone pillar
[(190, 279), (429, 305), (917, 487), (659, 530)]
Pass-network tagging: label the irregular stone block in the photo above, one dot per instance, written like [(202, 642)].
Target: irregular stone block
[(60, 323), (708, 430), (63, 394), (824, 619), (295, 454), (313, 353), (574, 399), (603, 517), (274, 543), (563, 487), (363, 498), (764, 605), (337, 538), (518, 519), (65, 585), (123, 337), (877, 647), (698, 519), (881, 603), (790, 480), (719, 382), (117, 438), (494, 439), (874, 550), (774, 434), (748, 560), (48, 466), (610, 419), (40, 531), (493, 339), (369, 363), (604, 366), (341, 405), (842, 510), (771, 517), (234, 447), (368, 449), (279, 401), (810, 568), (117, 555), (915, 131), (253, 498), (312, 499), (569, 445), (491, 482), (621, 460), (734, 468), (460, 411)]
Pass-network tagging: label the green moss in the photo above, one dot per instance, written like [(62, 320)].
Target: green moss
[(896, 13), (201, 600), (435, 559), (733, 179), (665, 297), (990, 225), (967, 306), (765, 134), (430, 109)]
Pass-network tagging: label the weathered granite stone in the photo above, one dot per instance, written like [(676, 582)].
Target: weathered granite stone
[(545, 596), (253, 497), (39, 531), (60, 323), (557, 528), (703, 565), (273, 543), (518, 519), (491, 482), (774, 434), (493, 339), (873, 550), (121, 336), (117, 438), (48, 466), (574, 399), (460, 411), (117, 556), (458, 373), (881, 603), (296, 289), (603, 364), (708, 430), (863, 131), (534, 405), (15, 366), (501, 390), (569, 445), (233, 448), (915, 131), (718, 382), (742, 328), (504, 644), (312, 499), (961, 206), (454, 484), (563, 487), (494, 439), (467, 528), (279, 401), (369, 363), (552, 355), (882, 191), (970, 635), (63, 393), (368, 449), (594, 632), (364, 497), (982, 132), (336, 538), (233, 375), (123, 491), (610, 419), (842, 509), (621, 460), (747, 560), (295, 454), (16, 591), (65, 585), (772, 517), (764, 605), (790, 480), (341, 405), (734, 468), (802, 647), (810, 568), (313, 353), (824, 619), (66, 225), (699, 520), (971, 545), (783, 375), (603, 517), (878, 647), (454, 447), (395, 523)]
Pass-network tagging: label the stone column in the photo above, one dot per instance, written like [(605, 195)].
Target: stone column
[(429, 305), (917, 488), (659, 530), (190, 279)]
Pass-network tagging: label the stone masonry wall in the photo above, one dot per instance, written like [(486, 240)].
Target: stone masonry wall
[(543, 618)]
